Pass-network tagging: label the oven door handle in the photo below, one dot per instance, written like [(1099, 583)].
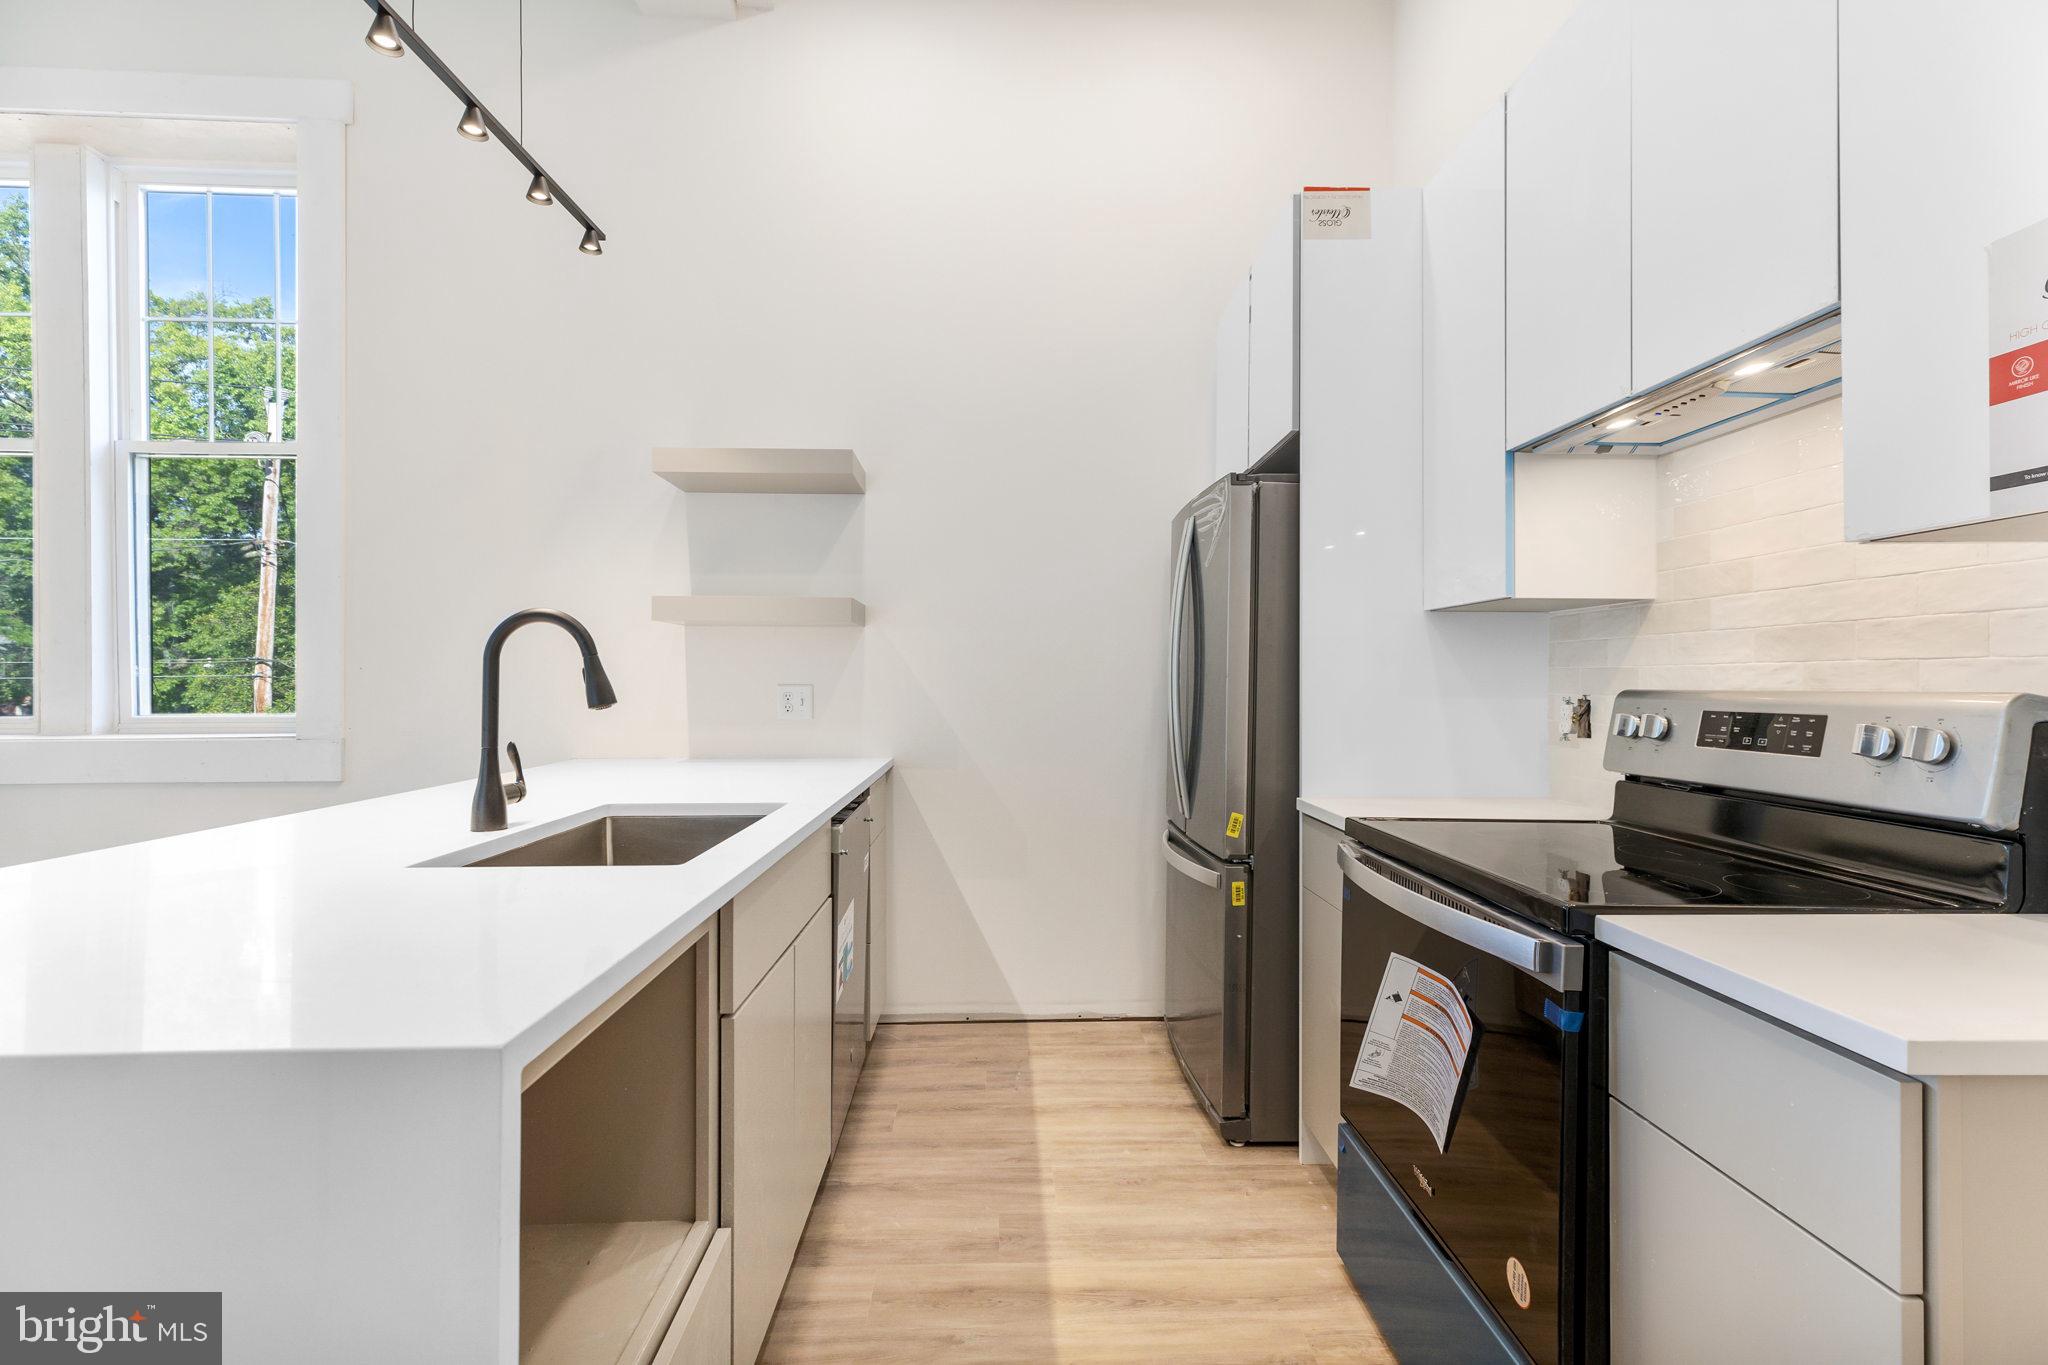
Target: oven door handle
[(1553, 959)]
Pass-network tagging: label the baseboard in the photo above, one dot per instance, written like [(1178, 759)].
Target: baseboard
[(990, 1017)]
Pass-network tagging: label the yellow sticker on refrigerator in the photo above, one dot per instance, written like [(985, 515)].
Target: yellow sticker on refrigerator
[(1237, 893), (1235, 826)]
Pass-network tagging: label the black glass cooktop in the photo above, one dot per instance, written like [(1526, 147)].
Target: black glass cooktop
[(1567, 873)]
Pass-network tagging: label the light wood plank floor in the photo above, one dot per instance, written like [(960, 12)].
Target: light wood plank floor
[(1050, 1192)]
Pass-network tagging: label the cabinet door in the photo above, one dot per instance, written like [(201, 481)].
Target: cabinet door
[(1233, 381), (1568, 225), (1464, 297), (1701, 1270), (1733, 175), (1275, 358), (778, 1084), (1937, 164)]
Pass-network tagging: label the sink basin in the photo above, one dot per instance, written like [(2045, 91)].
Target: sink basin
[(623, 841)]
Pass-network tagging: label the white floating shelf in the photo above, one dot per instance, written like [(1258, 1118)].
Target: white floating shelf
[(708, 469), (760, 611)]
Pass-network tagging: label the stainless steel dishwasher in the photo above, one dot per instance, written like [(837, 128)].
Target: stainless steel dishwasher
[(851, 846)]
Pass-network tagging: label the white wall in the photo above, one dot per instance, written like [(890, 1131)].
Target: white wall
[(1453, 58), (983, 243)]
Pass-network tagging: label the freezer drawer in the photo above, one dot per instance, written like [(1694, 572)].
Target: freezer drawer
[(1208, 901)]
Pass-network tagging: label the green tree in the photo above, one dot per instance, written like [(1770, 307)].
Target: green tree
[(17, 419)]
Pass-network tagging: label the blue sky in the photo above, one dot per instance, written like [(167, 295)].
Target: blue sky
[(246, 244)]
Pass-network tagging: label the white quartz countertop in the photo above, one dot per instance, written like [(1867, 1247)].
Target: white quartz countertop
[(319, 932), (1926, 994), (1335, 810)]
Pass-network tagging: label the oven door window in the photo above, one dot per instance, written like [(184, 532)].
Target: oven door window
[(1496, 1197)]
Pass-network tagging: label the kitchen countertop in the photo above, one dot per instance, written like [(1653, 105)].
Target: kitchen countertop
[(1926, 994), (1335, 810), (319, 932)]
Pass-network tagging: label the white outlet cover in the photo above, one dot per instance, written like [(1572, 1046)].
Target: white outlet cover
[(793, 701)]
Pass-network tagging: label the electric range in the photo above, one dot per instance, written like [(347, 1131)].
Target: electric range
[(1472, 1153)]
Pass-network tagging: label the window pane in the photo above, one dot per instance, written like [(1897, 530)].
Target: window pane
[(244, 380), (244, 255), (175, 247), (17, 588), (177, 381), (288, 256), (17, 391), (289, 365), (219, 541)]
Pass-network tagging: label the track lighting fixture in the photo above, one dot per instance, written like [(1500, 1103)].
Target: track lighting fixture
[(394, 37), (383, 35)]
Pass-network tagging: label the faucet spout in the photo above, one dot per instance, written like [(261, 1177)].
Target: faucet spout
[(487, 804)]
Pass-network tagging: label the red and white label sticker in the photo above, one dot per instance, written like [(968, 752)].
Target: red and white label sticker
[(2019, 374)]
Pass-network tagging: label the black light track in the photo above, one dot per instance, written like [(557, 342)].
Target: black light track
[(466, 97)]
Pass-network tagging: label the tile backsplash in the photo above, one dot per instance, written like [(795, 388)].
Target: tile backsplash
[(1756, 589)]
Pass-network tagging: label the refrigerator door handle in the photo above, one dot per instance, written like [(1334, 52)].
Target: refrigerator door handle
[(1188, 867), (1550, 958), (1174, 737)]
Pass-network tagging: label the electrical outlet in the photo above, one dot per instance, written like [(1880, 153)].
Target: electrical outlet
[(793, 701)]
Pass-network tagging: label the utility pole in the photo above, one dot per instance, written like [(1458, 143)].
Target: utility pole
[(266, 581)]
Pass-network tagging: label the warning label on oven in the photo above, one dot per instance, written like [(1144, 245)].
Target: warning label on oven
[(1417, 1048)]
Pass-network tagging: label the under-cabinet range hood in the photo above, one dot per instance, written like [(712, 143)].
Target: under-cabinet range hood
[(1787, 371)]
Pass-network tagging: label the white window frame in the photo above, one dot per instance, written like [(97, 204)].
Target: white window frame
[(132, 372), (86, 728)]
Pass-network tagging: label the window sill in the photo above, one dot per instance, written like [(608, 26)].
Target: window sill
[(95, 759)]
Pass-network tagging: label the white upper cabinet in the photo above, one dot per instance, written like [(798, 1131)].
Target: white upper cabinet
[(1939, 161), (1464, 425), (1233, 381), (1568, 225), (1733, 175), (1275, 408)]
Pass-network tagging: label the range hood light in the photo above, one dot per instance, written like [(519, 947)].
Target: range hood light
[(1618, 423), (1753, 367)]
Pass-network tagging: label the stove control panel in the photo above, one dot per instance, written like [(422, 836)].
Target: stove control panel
[(1944, 756)]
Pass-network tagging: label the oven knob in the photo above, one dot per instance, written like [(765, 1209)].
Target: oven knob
[(1880, 742), (1929, 744), (1626, 725), (1656, 726)]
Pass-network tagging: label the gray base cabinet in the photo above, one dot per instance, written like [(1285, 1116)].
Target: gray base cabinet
[(778, 1118)]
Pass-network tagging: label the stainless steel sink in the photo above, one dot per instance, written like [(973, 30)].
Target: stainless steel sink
[(623, 841)]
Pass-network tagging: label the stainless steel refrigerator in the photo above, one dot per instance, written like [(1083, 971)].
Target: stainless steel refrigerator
[(1230, 837)]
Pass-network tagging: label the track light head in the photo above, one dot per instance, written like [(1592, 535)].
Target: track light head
[(383, 35), (471, 124), (539, 192), (592, 243)]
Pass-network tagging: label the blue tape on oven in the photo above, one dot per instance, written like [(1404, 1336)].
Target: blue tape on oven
[(1569, 1021)]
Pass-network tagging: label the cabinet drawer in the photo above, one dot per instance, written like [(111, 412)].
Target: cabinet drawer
[(765, 918), (1704, 1271), (701, 1333), (1833, 1144), (1319, 870)]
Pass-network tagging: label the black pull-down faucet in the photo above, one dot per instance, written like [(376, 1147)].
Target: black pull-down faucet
[(487, 806)]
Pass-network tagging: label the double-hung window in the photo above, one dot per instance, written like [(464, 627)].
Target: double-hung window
[(170, 391)]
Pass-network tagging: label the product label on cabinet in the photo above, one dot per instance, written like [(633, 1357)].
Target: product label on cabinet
[(1417, 1049), (1336, 213), (2018, 372)]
